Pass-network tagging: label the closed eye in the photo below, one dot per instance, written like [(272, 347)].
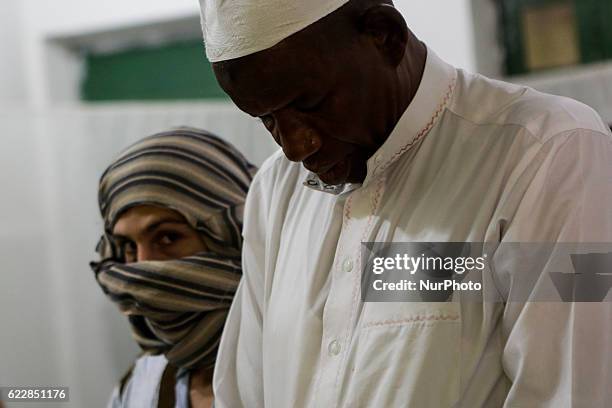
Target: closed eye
[(267, 120), (311, 107), (309, 104)]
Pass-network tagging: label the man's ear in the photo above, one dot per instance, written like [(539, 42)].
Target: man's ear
[(388, 29)]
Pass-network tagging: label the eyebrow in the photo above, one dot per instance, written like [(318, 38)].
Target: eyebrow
[(153, 226)]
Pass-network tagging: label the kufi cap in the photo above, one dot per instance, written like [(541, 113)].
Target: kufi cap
[(236, 28)]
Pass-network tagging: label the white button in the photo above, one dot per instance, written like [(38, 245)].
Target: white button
[(378, 158), (347, 265), (334, 348)]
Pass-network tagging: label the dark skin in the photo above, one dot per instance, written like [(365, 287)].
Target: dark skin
[(331, 94)]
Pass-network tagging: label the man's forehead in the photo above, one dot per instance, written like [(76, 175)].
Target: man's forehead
[(268, 81), (281, 58), (265, 99)]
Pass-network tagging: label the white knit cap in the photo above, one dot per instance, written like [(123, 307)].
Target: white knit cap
[(235, 28)]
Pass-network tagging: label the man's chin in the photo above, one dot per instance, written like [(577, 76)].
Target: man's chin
[(336, 175), (331, 181)]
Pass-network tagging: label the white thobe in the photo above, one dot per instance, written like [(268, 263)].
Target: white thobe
[(142, 388), (471, 159)]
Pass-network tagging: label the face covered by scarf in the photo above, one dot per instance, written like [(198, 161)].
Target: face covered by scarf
[(177, 307)]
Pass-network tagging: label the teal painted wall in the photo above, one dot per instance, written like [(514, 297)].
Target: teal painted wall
[(171, 72)]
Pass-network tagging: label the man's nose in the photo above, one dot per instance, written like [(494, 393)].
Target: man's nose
[(298, 140)]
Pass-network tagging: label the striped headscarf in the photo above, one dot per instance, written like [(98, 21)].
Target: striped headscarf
[(177, 307)]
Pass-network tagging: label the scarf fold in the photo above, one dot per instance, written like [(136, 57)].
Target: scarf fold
[(177, 307)]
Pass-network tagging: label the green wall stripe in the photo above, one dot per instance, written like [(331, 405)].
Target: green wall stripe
[(170, 72)]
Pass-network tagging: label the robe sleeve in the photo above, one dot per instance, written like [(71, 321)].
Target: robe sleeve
[(115, 399), (559, 354), (238, 377)]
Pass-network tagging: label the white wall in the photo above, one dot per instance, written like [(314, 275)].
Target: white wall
[(590, 84), (488, 42), (446, 26), (60, 17), (43, 21), (12, 79)]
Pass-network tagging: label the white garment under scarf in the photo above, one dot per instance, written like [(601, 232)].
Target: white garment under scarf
[(471, 159)]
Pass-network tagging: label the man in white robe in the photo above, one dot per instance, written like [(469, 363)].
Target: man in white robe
[(383, 141)]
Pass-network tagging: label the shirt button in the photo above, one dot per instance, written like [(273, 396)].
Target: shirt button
[(334, 348), (347, 265), (378, 159)]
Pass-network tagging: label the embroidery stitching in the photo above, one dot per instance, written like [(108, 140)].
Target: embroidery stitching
[(415, 319), (374, 206), (422, 132)]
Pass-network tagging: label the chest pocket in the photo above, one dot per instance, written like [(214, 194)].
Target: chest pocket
[(407, 355), (398, 314)]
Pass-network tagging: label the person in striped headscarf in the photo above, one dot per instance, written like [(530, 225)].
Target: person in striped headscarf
[(172, 206)]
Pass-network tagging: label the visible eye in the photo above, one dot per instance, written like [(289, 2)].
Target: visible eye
[(129, 250), (168, 238)]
